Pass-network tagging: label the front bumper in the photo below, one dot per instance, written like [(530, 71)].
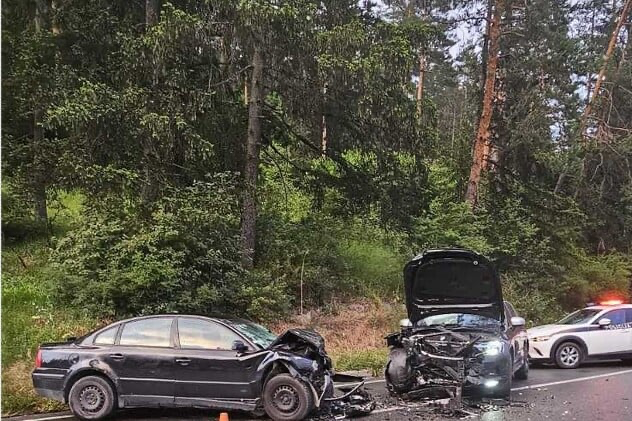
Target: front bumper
[(540, 351)]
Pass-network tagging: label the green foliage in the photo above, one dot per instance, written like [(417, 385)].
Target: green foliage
[(373, 360), (30, 317), (183, 258)]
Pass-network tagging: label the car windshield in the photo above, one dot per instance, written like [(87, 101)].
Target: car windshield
[(256, 333), (579, 317), (460, 320)]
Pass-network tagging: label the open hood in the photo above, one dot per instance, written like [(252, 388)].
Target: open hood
[(452, 281)]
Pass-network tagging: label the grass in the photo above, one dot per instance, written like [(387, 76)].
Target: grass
[(373, 360), (354, 332), (29, 314)]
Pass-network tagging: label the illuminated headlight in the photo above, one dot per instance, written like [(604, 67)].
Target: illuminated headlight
[(491, 383), (540, 338), (493, 348)]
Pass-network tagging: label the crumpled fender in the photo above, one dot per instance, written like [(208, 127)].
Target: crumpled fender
[(299, 367), (90, 365)]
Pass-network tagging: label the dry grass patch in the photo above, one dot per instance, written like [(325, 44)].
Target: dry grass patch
[(354, 332), (18, 396)]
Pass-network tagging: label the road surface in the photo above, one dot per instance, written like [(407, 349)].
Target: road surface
[(600, 391)]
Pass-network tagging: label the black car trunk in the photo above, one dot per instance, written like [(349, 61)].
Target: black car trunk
[(452, 281)]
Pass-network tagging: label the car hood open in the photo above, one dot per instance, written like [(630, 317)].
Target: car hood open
[(452, 281)]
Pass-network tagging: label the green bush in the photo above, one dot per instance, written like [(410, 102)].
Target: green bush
[(373, 360), (183, 257)]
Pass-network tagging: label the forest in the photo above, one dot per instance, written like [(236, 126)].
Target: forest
[(268, 158)]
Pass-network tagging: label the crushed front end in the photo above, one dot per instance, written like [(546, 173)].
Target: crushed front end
[(437, 363), (303, 350)]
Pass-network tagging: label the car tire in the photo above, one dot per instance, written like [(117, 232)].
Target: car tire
[(504, 392), (568, 355), (286, 398), (523, 371), (398, 373), (91, 398)]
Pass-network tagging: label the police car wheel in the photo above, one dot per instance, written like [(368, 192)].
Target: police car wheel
[(568, 355)]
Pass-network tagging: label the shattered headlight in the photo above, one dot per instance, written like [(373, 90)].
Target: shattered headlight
[(492, 348)]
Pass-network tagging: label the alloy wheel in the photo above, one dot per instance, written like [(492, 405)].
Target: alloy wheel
[(569, 355)]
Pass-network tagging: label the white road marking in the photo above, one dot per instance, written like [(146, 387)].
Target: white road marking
[(57, 417), (534, 386), (579, 379)]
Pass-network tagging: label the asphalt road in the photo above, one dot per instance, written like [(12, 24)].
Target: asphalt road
[(594, 392)]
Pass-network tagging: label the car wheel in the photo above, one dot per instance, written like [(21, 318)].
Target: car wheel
[(286, 398), (91, 398), (503, 392), (399, 375), (523, 371), (568, 355)]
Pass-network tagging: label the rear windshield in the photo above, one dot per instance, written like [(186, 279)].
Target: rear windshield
[(456, 281)]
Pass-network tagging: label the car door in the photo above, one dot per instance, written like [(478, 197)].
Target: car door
[(628, 320), (611, 339), (208, 370), (143, 361)]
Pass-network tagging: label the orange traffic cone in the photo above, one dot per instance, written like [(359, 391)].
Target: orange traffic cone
[(223, 416)]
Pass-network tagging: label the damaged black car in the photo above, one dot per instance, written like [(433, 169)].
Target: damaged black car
[(460, 337), (194, 361)]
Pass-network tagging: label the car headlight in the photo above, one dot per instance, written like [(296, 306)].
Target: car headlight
[(540, 338), (492, 348)]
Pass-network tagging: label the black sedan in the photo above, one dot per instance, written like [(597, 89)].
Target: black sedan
[(460, 336), (188, 361)]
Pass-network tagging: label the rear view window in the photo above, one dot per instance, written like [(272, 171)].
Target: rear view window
[(147, 332), (106, 337)]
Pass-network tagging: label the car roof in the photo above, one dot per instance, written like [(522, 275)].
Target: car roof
[(151, 316)]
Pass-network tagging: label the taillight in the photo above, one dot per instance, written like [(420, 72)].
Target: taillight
[(38, 359)]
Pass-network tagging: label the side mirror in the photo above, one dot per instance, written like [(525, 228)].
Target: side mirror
[(517, 321), (239, 346), (405, 323), (604, 322)]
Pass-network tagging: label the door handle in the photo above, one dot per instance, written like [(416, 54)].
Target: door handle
[(183, 361), (117, 357)]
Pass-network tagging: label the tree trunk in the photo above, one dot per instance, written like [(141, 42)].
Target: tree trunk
[(604, 66), (251, 170), (420, 84), (39, 177), (323, 133), (152, 12), (482, 142), (149, 190)]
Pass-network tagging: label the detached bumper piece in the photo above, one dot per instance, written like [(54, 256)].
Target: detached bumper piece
[(353, 400)]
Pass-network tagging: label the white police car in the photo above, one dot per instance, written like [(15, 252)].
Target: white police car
[(596, 332)]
